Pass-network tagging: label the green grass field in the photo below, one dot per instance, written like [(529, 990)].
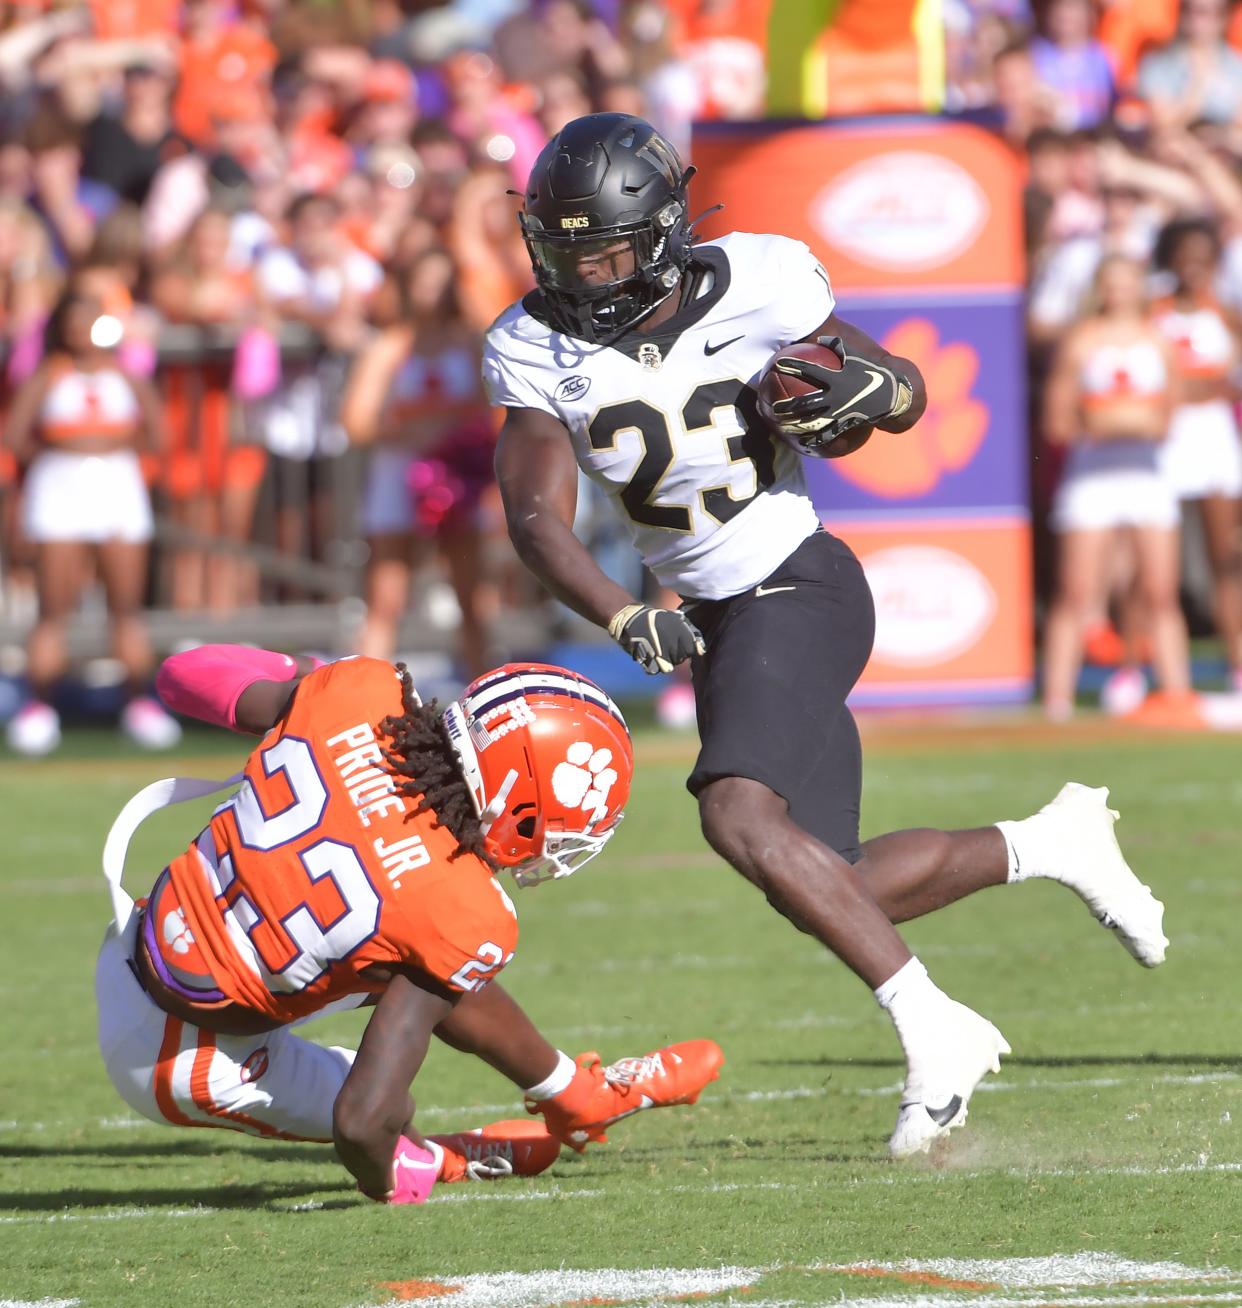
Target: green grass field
[(1104, 1164)]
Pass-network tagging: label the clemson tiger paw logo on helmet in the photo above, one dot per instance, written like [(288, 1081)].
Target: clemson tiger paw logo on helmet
[(584, 779)]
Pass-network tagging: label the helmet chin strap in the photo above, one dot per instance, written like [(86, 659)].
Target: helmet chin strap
[(618, 332), (496, 805)]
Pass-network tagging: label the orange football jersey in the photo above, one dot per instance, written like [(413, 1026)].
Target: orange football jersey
[(316, 869)]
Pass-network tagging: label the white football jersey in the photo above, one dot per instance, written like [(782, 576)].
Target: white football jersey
[(665, 423)]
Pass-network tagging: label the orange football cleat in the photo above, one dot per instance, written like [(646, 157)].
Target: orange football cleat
[(517, 1147), (598, 1096)]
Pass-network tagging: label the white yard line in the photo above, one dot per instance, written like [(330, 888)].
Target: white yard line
[(468, 1193), (1085, 1267), (935, 1283), (38, 1303), (563, 1286), (114, 1215), (1004, 1083), (1124, 1299), (468, 1112)]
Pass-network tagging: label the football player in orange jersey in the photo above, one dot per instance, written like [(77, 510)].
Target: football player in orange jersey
[(355, 863)]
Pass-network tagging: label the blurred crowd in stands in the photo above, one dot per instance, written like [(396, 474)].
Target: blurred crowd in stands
[(248, 249), (1129, 115)]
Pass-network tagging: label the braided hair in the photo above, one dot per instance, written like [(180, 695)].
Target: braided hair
[(421, 751)]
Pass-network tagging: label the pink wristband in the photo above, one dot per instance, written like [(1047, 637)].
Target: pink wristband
[(207, 682)]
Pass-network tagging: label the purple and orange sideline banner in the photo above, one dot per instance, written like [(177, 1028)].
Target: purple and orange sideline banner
[(918, 223)]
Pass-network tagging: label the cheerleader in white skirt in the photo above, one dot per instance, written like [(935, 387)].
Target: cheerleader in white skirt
[(1109, 399), (78, 425), (1202, 458)]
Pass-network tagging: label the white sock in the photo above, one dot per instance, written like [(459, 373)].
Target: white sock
[(1031, 846), (910, 997), (562, 1074)]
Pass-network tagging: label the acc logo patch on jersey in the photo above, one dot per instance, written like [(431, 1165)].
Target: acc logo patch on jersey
[(572, 388)]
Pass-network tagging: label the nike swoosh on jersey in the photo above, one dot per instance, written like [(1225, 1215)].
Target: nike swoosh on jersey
[(772, 590), (877, 380), (715, 349)]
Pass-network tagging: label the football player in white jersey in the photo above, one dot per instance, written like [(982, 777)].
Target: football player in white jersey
[(636, 359)]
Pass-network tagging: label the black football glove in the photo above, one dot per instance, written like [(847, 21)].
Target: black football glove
[(860, 394), (659, 639)]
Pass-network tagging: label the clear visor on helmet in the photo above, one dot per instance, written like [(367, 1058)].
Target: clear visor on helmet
[(564, 852), (588, 263)]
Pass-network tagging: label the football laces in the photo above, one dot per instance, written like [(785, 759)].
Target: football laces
[(492, 1168), (626, 1071)]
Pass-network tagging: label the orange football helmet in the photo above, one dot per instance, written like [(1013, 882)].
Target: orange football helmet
[(548, 760)]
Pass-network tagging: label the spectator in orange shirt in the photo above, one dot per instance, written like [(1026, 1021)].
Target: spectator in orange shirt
[(1130, 27), (119, 20), (218, 57), (380, 200), (388, 110), (318, 160), (725, 44), (211, 477), (493, 266)]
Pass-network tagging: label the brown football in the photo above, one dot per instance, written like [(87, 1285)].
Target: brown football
[(776, 385)]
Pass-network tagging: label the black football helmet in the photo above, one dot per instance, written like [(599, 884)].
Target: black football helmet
[(604, 221)]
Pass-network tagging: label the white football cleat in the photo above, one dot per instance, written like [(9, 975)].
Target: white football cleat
[(1090, 862), (956, 1054)]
